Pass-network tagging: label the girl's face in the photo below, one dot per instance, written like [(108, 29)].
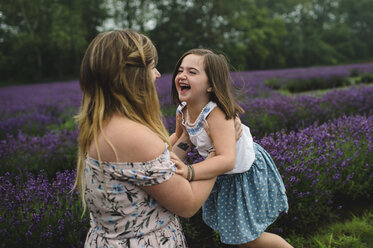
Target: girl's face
[(191, 81), (155, 73)]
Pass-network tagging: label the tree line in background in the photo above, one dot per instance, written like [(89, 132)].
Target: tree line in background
[(46, 39)]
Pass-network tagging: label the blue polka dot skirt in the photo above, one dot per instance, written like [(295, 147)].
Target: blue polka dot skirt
[(241, 206)]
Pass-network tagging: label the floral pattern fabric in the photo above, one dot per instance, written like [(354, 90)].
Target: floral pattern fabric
[(124, 215)]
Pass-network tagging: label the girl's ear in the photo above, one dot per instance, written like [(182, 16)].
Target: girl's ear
[(210, 89)]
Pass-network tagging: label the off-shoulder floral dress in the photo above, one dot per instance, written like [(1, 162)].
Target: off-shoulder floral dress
[(121, 213)]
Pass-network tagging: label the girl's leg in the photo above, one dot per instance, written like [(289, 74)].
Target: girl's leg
[(269, 240)]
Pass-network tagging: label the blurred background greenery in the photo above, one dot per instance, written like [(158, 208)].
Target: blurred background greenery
[(44, 40)]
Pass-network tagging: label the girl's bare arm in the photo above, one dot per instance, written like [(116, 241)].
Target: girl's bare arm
[(222, 133)]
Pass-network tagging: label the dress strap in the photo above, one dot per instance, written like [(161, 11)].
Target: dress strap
[(207, 110), (192, 130), (180, 107), (180, 112)]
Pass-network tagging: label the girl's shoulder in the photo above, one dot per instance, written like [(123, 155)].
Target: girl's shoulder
[(216, 114)]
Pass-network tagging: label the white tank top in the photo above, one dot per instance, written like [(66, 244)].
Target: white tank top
[(245, 155)]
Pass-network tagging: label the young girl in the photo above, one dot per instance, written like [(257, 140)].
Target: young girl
[(249, 193)]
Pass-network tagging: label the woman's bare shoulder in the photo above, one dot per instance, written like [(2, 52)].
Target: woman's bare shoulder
[(133, 141)]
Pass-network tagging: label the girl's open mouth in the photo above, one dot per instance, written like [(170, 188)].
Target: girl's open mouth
[(184, 86)]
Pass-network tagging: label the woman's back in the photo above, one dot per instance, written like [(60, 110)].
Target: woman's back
[(121, 211)]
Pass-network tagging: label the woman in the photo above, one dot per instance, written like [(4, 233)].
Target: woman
[(125, 172)]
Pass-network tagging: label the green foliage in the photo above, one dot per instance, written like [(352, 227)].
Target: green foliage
[(44, 40), (354, 73), (367, 78), (323, 32), (67, 125), (198, 234), (308, 84), (239, 29), (354, 233), (67, 122)]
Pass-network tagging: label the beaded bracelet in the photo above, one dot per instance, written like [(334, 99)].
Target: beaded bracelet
[(190, 173), (191, 167)]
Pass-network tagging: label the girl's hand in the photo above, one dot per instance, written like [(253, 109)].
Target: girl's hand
[(182, 169)]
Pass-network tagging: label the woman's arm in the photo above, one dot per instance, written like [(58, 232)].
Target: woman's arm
[(179, 196), (135, 142), (176, 194)]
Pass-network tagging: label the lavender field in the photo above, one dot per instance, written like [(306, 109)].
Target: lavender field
[(321, 143)]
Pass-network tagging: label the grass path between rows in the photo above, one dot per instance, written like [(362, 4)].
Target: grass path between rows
[(355, 232)]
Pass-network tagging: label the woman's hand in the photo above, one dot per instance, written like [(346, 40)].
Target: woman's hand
[(238, 127), (182, 169), (211, 151)]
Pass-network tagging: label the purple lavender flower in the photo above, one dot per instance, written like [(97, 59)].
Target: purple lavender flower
[(331, 164), (29, 202), (322, 155)]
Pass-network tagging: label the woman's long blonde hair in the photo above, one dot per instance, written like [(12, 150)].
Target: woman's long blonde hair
[(115, 78)]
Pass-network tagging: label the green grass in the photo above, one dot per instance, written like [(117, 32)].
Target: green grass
[(357, 232), (317, 92), (349, 81)]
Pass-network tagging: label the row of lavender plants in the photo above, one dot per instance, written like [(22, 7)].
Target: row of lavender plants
[(37, 211), (55, 148), (323, 167), (325, 162), (318, 83), (272, 114)]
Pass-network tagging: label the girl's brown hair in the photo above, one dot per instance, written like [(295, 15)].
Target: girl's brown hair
[(115, 78), (219, 77)]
